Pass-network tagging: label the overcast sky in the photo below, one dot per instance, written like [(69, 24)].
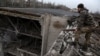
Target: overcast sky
[(92, 5)]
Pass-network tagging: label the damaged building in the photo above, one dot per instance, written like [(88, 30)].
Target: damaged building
[(21, 32), (30, 31)]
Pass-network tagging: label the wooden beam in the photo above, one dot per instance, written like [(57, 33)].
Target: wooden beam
[(34, 36), (25, 16), (25, 51), (17, 12), (12, 24), (1, 44)]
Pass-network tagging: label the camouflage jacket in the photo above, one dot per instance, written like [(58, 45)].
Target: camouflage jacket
[(85, 19)]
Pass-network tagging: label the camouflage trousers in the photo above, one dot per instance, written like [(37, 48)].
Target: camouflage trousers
[(87, 31)]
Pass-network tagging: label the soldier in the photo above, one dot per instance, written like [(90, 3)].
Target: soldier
[(84, 25)]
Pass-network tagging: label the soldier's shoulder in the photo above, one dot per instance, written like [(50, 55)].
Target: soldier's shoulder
[(84, 11)]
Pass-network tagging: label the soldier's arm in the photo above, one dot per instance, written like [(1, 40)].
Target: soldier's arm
[(84, 13), (72, 19)]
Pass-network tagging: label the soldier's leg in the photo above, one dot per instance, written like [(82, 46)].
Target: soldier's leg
[(87, 37), (77, 35), (87, 42), (87, 30)]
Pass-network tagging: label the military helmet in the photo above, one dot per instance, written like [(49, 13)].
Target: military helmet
[(80, 5)]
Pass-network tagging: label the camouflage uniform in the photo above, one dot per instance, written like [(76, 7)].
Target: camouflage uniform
[(84, 25)]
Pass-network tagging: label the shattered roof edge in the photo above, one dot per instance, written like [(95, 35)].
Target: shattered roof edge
[(14, 11)]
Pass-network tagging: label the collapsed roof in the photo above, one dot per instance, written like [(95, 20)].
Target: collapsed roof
[(34, 12)]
